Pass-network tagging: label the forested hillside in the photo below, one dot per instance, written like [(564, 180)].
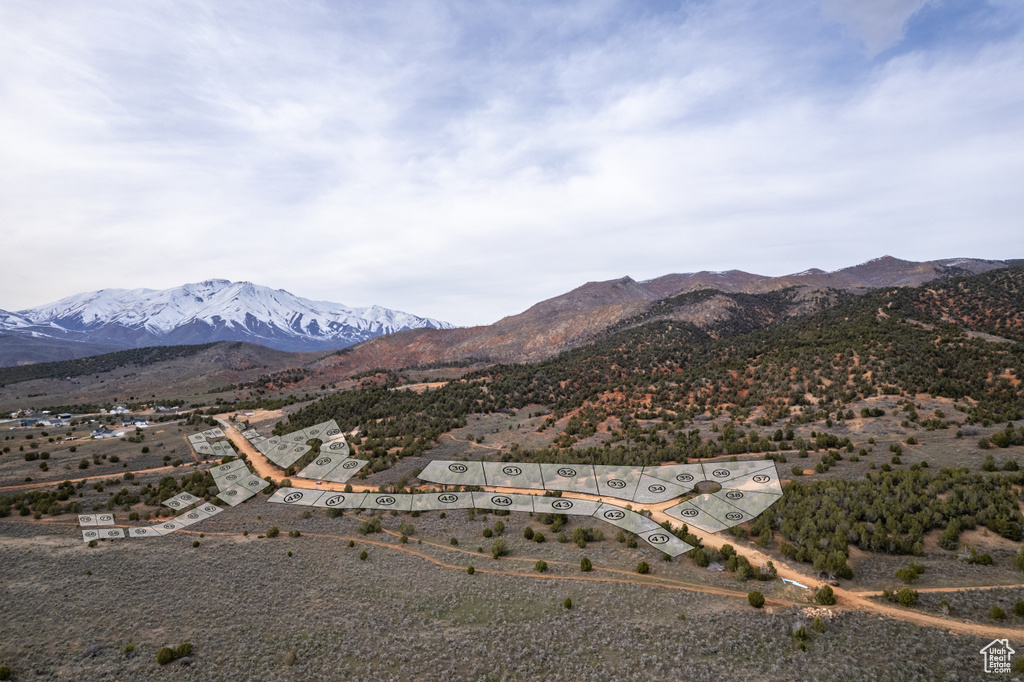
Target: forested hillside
[(899, 342), (95, 364)]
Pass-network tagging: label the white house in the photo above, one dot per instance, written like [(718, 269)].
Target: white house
[(104, 432), (137, 423)]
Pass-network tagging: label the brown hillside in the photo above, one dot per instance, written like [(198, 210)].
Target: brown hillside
[(574, 318)]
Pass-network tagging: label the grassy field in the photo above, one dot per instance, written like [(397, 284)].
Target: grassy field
[(244, 604)]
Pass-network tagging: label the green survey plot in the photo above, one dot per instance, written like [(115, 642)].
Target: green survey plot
[(617, 481), (748, 502), (513, 475), (564, 505), (765, 481), (651, 490), (447, 472), (506, 501), (396, 501), (577, 478), (724, 473), (342, 500), (442, 501), (685, 475), (321, 466), (666, 542), (625, 519), (694, 516)]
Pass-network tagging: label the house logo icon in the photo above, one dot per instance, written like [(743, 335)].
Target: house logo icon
[(997, 656)]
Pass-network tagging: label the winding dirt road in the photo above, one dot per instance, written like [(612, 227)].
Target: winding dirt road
[(847, 600)]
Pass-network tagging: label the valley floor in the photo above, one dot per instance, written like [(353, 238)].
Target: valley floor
[(410, 611)]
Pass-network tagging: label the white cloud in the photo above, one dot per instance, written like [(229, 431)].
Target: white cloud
[(878, 23), (464, 161)]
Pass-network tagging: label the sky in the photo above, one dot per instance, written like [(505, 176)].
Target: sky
[(464, 160)]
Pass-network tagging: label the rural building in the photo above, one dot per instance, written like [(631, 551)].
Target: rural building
[(104, 432)]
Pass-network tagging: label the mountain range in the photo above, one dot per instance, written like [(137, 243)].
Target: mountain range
[(581, 315), (219, 310), (204, 312)]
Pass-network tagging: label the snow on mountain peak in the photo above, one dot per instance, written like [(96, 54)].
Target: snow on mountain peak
[(220, 309)]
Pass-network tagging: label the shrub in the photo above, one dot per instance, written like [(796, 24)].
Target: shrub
[(542, 566), (470, 570), (906, 597), (195, 543), (273, 532), (798, 471), (825, 596), (499, 548), (1018, 609), (363, 555), (84, 464), (453, 542), (182, 650), (567, 603), (700, 557), (643, 568), (756, 599), (538, 537), (585, 565), (488, 532), (165, 656), (528, 533), (910, 573), (997, 613), (367, 527)]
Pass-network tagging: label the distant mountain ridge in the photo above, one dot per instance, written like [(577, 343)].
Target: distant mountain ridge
[(203, 312), (579, 316), (219, 310), (885, 271)]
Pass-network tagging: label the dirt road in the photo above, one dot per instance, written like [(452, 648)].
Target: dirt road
[(846, 599)]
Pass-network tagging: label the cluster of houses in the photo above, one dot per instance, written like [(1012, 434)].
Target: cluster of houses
[(46, 419), (42, 419)]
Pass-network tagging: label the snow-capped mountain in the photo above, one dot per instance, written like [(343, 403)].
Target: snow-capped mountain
[(13, 321), (214, 310)]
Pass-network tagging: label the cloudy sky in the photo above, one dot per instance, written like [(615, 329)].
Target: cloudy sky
[(464, 160)]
